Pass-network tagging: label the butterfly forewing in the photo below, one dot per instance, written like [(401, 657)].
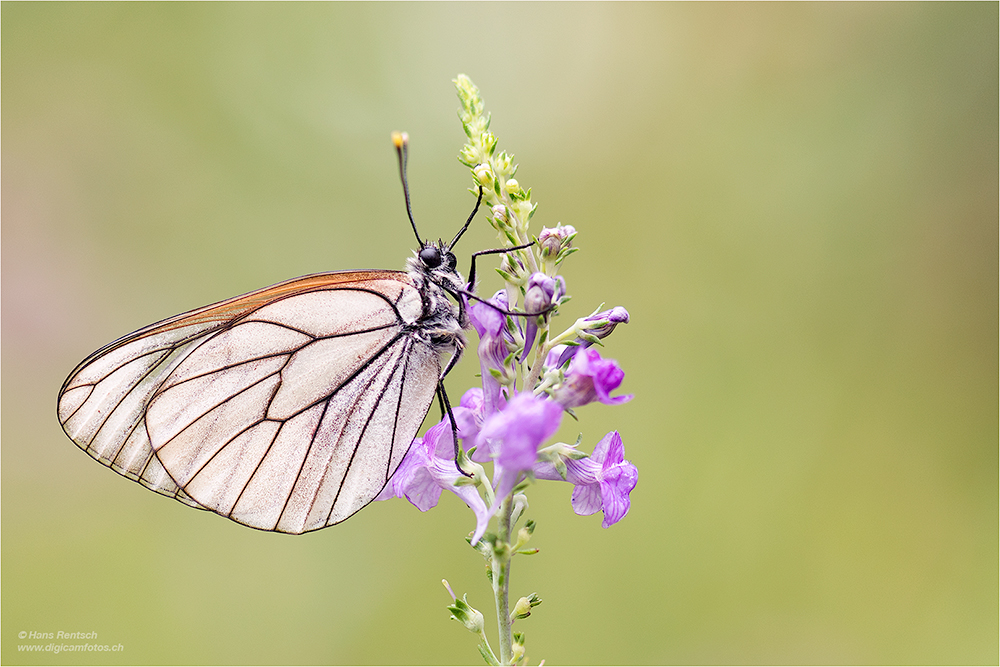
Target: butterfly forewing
[(284, 409)]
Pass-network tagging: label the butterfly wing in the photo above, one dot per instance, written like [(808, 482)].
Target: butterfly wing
[(284, 409)]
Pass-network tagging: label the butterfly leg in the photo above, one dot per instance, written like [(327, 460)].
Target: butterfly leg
[(494, 251), (446, 409)]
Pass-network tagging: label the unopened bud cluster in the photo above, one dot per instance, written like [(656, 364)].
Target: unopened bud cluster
[(509, 202)]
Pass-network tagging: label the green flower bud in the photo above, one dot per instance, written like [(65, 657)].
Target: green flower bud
[(468, 616), (469, 156), (517, 648), (520, 505), (505, 165), (522, 609), (484, 175)]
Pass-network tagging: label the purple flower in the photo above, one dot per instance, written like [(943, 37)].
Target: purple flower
[(602, 482), (614, 317), (518, 430), (543, 292), (523, 425), (590, 378), (427, 469), (492, 351), (469, 416)]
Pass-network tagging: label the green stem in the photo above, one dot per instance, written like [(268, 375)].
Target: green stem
[(501, 583), (535, 371), (486, 650)]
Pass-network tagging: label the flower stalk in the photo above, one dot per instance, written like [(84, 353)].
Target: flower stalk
[(501, 584), (530, 378)]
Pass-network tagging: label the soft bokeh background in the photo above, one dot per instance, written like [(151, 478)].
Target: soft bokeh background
[(796, 203)]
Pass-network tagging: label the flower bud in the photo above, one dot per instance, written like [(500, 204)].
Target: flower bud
[(488, 141), (516, 653), (468, 616), (522, 608), (499, 213), (468, 156), (505, 163), (484, 175), (512, 186), (520, 506), (553, 241), (543, 292), (596, 326)]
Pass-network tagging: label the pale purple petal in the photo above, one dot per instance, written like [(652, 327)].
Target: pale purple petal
[(559, 355), (471, 496), (469, 414), (439, 441), (408, 477), (472, 399), (492, 350), (618, 478), (422, 475), (422, 489), (578, 471), (586, 499), (609, 450), (590, 378), (617, 483), (504, 481), (522, 426)]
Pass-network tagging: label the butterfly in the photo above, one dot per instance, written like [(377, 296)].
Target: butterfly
[(286, 409)]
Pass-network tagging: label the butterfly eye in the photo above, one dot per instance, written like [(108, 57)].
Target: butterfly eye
[(449, 261), (431, 257)]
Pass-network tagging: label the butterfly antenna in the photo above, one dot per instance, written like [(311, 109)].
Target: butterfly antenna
[(469, 221), (401, 140)]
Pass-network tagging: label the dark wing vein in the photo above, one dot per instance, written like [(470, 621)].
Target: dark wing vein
[(256, 468), (399, 405), (381, 395), (228, 398), (312, 441), (118, 404)]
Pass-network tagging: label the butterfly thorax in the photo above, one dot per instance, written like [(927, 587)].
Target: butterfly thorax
[(441, 322)]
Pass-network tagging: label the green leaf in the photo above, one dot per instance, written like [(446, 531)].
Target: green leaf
[(488, 656)]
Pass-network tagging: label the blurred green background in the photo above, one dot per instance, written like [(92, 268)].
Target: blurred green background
[(798, 204)]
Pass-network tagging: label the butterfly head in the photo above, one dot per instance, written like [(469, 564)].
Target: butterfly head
[(437, 256)]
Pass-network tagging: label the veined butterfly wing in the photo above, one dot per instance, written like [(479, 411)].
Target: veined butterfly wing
[(284, 409)]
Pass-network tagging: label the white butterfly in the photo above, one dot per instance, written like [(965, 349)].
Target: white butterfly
[(285, 409)]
